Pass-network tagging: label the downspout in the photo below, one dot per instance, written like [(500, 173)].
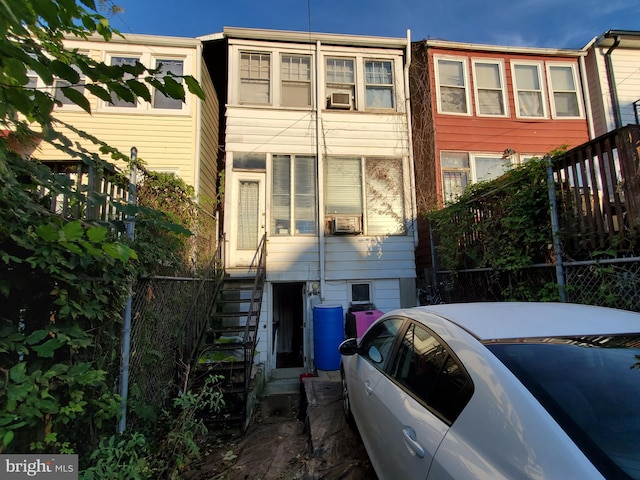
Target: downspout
[(613, 90), (412, 176), (320, 181)]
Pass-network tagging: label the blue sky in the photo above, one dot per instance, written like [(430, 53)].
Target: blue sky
[(531, 23)]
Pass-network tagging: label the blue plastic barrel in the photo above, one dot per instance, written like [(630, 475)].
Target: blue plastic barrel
[(328, 333)]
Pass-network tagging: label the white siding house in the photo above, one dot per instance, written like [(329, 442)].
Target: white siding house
[(318, 158), (614, 79)]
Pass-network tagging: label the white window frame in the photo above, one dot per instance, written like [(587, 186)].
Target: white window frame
[(149, 59), (308, 82), (365, 195), (502, 89), (465, 72), (157, 60), (473, 157), (387, 86), (342, 87), (268, 82), (576, 83), (360, 302), (471, 171), (293, 193), (542, 90)]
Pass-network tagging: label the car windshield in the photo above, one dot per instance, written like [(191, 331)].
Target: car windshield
[(591, 386)]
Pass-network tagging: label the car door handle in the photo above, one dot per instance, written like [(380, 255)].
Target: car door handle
[(415, 448), (367, 387)]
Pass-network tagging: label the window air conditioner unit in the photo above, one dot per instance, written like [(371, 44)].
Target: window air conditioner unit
[(346, 224), (340, 100)]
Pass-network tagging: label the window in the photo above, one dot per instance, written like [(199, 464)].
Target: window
[(255, 78), (59, 84), (360, 293), (426, 368), (564, 91), (296, 81), (529, 92), (293, 195), (462, 168), (489, 84), (379, 83), (451, 76), (249, 161), (175, 67), (370, 187), (455, 174), (377, 343), (340, 76), (116, 101)]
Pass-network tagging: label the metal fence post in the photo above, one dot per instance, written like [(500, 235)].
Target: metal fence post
[(555, 231), (126, 326)]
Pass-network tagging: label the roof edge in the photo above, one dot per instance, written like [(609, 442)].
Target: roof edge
[(565, 52)]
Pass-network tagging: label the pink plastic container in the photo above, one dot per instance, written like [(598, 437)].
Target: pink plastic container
[(365, 319)]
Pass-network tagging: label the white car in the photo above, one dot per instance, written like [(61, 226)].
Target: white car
[(497, 391)]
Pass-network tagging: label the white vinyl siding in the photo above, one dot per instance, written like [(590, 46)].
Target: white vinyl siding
[(255, 78), (563, 91), (489, 84), (452, 85), (529, 93)]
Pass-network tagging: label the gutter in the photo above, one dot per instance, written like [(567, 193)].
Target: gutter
[(611, 79), (198, 126), (320, 179)]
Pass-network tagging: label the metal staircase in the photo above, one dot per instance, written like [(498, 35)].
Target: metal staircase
[(228, 346)]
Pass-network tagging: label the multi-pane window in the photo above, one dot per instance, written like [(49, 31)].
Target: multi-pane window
[(255, 78), (563, 87), (529, 92), (379, 83), (295, 73), (341, 77), (175, 67), (368, 187), (122, 62), (293, 195), (489, 85), (453, 96), (461, 168)]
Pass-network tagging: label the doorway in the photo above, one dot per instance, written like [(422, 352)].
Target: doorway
[(288, 324)]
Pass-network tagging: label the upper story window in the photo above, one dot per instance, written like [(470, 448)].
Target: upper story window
[(529, 90), (116, 101), (293, 195), (489, 84), (295, 73), (176, 67), (371, 189), (341, 80), (563, 86), (452, 85), (379, 83), (255, 78)]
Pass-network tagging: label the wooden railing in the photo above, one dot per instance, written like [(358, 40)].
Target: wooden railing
[(598, 184)]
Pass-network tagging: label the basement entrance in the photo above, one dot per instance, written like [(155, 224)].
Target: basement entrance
[(288, 324)]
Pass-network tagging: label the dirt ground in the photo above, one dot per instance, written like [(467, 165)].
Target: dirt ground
[(292, 437)]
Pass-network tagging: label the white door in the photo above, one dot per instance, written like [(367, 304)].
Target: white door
[(248, 222)]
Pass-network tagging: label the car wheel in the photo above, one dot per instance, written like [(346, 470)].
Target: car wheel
[(346, 403)]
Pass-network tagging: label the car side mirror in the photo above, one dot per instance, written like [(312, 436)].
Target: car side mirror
[(348, 347)]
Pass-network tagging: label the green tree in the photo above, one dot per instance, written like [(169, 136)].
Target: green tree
[(62, 281)]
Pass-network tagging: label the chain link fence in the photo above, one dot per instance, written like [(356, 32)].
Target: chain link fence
[(610, 283)]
